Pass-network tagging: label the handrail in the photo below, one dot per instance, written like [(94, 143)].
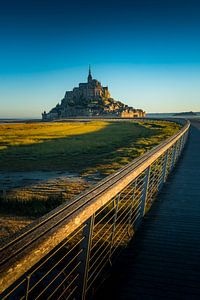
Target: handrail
[(48, 217), (26, 250)]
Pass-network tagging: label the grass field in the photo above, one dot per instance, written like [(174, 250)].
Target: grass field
[(91, 150), (77, 146)]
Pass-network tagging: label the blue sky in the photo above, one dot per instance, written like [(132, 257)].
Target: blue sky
[(146, 51)]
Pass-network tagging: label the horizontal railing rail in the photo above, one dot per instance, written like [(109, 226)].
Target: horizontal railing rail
[(64, 254)]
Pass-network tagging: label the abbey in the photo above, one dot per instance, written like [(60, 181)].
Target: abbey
[(90, 99)]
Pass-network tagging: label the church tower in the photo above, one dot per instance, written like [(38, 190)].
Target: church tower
[(89, 75)]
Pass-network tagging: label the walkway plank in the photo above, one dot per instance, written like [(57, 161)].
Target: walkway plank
[(163, 259)]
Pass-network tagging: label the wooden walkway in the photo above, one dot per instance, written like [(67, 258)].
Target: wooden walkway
[(163, 259)]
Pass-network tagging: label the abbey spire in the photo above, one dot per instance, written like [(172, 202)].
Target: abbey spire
[(89, 75)]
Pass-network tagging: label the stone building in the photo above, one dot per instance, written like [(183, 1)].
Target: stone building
[(91, 99)]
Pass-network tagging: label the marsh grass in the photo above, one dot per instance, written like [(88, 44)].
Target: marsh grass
[(77, 147), (87, 148)]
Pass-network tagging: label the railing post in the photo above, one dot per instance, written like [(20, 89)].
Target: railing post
[(164, 171), (186, 137), (180, 146), (143, 197), (116, 203), (177, 150), (27, 286), (84, 257), (173, 157), (182, 142), (145, 191), (131, 209)]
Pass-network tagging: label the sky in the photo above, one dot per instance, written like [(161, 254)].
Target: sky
[(146, 51)]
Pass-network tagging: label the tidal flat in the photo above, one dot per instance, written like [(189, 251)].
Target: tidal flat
[(46, 164)]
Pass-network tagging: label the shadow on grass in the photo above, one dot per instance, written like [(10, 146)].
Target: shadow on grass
[(33, 208), (73, 153)]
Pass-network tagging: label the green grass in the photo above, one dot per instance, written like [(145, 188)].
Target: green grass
[(85, 148), (77, 147)]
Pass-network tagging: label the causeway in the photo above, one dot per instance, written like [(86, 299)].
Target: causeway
[(163, 259)]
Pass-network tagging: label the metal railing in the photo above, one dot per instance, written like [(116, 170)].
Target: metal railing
[(68, 252)]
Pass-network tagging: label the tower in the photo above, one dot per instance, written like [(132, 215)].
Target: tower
[(89, 75)]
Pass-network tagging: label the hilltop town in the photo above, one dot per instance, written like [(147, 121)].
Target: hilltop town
[(90, 99)]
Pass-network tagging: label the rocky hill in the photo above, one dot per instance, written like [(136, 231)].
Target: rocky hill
[(90, 99)]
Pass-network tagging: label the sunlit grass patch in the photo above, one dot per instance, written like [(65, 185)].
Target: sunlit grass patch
[(28, 134)]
